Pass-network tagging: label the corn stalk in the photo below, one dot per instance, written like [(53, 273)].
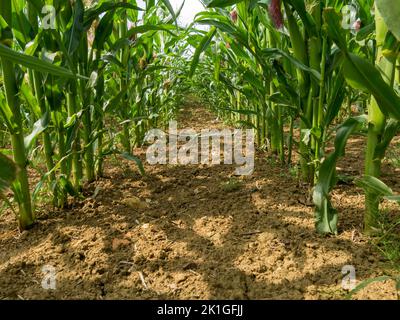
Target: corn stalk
[(26, 216)]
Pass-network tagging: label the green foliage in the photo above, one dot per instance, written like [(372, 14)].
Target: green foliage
[(8, 172), (89, 88), (390, 11), (326, 215)]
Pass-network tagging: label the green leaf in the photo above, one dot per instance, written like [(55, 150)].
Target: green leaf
[(35, 63), (365, 32), (205, 42), (245, 124), (93, 13), (361, 74), (74, 34), (393, 198), (170, 8), (66, 185), (103, 30), (270, 52), (254, 80), (222, 3), (138, 162), (326, 215), (366, 283), (6, 114), (307, 19), (391, 130), (178, 13), (8, 172), (151, 27), (37, 4), (390, 11), (112, 59), (335, 30), (40, 126), (239, 111), (30, 99), (374, 185), (335, 101)]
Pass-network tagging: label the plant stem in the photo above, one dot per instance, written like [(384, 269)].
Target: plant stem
[(376, 127), (76, 144), (26, 215)]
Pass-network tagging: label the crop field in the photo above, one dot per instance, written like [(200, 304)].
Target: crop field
[(199, 150)]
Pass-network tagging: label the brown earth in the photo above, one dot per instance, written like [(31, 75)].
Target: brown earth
[(195, 232)]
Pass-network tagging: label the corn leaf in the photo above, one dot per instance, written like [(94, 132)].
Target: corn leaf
[(74, 34), (326, 215), (138, 162), (8, 172), (297, 63), (39, 126), (366, 283), (360, 73), (151, 27), (93, 13), (390, 11), (6, 114), (221, 3), (203, 45), (35, 63), (167, 3), (374, 185)]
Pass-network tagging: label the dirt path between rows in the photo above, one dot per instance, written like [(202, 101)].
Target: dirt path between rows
[(181, 233)]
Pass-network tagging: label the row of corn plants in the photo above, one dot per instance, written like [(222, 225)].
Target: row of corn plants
[(280, 68), (78, 83), (291, 64), (378, 76)]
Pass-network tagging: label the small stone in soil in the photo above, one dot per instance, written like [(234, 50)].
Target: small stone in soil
[(181, 278)]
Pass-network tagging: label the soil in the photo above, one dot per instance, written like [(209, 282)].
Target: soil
[(180, 233)]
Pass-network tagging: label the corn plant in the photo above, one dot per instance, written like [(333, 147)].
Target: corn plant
[(61, 85), (11, 111), (303, 56), (382, 120)]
